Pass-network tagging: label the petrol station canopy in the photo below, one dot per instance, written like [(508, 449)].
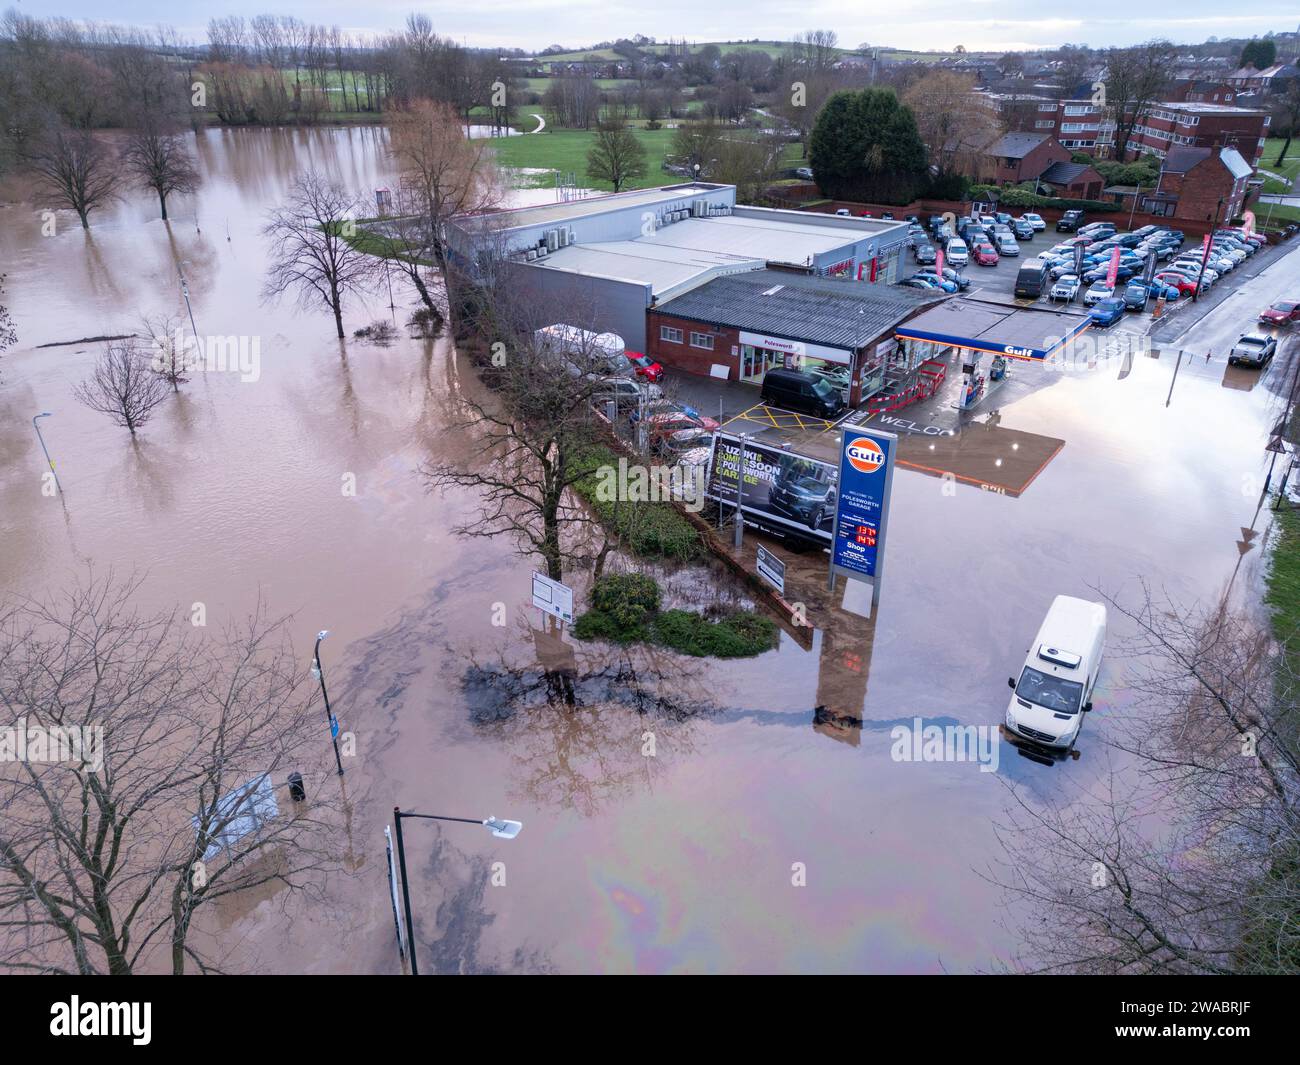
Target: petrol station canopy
[(983, 325)]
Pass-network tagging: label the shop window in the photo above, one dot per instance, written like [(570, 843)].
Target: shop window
[(701, 340), (668, 333)]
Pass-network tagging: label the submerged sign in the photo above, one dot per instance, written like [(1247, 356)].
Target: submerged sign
[(862, 510)]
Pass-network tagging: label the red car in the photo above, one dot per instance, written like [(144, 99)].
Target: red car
[(1182, 282), (645, 366), (1283, 312), (984, 255)]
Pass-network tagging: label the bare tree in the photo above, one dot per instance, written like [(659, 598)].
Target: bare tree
[(166, 341), (159, 160), (124, 385), (952, 120), (312, 249), (443, 173), (157, 787), (75, 170), (1135, 78), (616, 157)]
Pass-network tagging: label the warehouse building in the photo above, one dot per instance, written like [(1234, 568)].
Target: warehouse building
[(605, 262)]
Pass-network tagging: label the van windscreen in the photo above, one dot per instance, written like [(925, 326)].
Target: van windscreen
[(1051, 693)]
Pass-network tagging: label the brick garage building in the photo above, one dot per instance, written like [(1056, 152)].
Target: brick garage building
[(743, 325), (1018, 157), (1194, 180)]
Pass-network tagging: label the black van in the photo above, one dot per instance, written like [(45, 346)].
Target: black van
[(1031, 279), (803, 392)]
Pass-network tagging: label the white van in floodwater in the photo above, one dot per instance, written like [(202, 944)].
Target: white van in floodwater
[(1055, 686)]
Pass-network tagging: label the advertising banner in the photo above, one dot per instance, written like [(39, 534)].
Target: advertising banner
[(1079, 246), (780, 491), (1113, 271), (938, 262), (862, 512)]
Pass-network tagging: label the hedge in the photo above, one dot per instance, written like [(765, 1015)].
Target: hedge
[(1020, 198)]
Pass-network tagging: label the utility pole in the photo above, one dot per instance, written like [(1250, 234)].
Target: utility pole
[(46, 414), (1205, 255)]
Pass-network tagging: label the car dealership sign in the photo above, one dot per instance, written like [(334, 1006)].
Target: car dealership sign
[(862, 510), (795, 347)]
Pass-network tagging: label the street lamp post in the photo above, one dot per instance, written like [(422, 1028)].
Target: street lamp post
[(499, 827), (46, 414), (319, 674), (1205, 254), (185, 291)]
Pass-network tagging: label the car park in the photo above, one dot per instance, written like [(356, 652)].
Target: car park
[(1253, 349), (984, 255), (1283, 312), (924, 254), (1107, 311), (1097, 292), (1066, 288)]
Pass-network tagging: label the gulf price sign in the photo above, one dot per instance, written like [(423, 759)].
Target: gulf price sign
[(862, 504)]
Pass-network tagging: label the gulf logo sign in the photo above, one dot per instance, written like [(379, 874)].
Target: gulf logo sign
[(864, 455)]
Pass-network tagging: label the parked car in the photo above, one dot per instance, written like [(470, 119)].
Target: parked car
[(1022, 230), (917, 282), (679, 441), (924, 253), (1035, 221), (949, 287), (644, 366), (804, 392), (1108, 311), (1097, 292), (956, 253), (1283, 312), (843, 212), (1006, 245), (1100, 273), (1136, 295), (1183, 284), (1253, 349), (665, 412), (949, 274), (1069, 222), (624, 392), (1066, 288), (804, 172), (984, 255)]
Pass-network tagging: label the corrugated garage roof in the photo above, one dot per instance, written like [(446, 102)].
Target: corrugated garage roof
[(839, 314)]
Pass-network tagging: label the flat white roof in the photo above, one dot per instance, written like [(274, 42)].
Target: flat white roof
[(519, 217), (663, 266)]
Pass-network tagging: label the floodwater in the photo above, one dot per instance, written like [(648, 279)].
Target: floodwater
[(681, 862)]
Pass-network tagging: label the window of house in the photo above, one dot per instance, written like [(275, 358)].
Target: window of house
[(701, 340), (668, 333)]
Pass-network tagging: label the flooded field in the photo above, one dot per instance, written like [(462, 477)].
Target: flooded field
[(682, 862)]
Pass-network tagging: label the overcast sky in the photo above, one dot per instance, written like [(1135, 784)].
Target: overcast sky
[(917, 24)]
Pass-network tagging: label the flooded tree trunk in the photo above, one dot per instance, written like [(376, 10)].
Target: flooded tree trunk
[(162, 203)]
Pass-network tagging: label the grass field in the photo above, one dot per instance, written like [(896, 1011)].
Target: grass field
[(566, 150), (1290, 166)]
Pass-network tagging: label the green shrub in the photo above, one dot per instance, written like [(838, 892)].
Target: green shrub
[(625, 608), (647, 530)]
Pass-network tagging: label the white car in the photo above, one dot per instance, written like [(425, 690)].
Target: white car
[(1098, 291), (957, 253), (1036, 223), (1066, 288)]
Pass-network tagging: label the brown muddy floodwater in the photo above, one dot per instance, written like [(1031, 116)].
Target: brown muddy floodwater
[(677, 863)]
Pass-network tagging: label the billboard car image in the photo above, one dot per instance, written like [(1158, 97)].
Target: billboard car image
[(783, 492)]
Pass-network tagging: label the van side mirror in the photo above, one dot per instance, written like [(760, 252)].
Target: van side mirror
[(1087, 706), (1011, 682)]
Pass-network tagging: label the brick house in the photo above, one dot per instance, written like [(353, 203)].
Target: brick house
[(1018, 157), (1192, 182)]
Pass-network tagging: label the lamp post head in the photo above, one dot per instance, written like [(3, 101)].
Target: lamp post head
[(322, 634), (502, 828)]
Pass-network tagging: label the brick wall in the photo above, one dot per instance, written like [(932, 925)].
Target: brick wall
[(685, 357)]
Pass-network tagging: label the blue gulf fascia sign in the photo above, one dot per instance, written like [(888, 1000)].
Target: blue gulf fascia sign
[(862, 506), (1011, 351)]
